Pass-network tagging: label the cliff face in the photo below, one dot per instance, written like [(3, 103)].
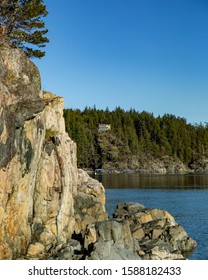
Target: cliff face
[(38, 170)]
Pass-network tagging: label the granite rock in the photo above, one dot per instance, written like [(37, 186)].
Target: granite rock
[(38, 165), (158, 234)]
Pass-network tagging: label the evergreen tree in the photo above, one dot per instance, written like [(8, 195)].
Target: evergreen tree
[(21, 25)]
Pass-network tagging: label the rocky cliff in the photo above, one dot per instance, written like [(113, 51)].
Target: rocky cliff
[(48, 208), (38, 170)]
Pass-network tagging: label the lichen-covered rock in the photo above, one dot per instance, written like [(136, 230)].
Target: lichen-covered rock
[(38, 176), (111, 240), (90, 186), (137, 232), (89, 203), (156, 231), (38, 164), (67, 251), (108, 250), (35, 250), (19, 78), (87, 210)]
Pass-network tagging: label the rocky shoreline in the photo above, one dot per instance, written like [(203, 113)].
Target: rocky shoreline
[(135, 233), (50, 209), (163, 165)]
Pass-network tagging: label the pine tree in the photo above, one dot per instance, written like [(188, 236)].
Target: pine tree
[(21, 25)]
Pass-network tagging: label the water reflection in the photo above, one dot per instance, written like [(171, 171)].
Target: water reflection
[(123, 181)]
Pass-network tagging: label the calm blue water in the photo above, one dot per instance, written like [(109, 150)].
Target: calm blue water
[(184, 196)]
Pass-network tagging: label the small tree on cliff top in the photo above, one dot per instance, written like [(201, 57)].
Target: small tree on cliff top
[(21, 25)]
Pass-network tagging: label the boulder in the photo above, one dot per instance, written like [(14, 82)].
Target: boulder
[(71, 250), (111, 240), (87, 210), (156, 231), (89, 186), (35, 251), (107, 250)]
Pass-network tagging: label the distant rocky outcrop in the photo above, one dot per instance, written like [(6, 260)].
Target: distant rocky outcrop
[(150, 165), (200, 166), (49, 209)]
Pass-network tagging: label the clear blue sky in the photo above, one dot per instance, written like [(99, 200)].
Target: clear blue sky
[(149, 55)]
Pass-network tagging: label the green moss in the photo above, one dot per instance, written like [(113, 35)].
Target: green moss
[(10, 78), (50, 134)]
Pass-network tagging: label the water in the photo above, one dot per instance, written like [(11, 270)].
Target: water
[(184, 196)]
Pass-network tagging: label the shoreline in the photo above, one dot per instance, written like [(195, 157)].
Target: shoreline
[(141, 172)]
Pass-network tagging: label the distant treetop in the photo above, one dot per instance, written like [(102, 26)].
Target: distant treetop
[(21, 25)]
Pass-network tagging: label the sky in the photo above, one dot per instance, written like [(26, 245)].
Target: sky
[(150, 55)]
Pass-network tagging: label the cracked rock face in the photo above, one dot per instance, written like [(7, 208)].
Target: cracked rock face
[(38, 169), (39, 182)]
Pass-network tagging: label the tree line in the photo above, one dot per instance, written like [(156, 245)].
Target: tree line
[(133, 133)]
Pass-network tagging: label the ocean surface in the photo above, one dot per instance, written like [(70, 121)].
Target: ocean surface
[(183, 196)]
